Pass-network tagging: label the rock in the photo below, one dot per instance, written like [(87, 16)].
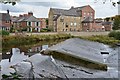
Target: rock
[(78, 49)]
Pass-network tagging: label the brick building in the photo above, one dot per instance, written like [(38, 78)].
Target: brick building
[(5, 21), (28, 21), (42, 22), (74, 19)]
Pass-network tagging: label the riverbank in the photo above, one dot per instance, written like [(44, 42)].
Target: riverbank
[(105, 39), (21, 40)]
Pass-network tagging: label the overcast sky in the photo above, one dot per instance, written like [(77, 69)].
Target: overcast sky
[(40, 8)]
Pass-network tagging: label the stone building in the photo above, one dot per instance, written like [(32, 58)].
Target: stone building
[(73, 19)]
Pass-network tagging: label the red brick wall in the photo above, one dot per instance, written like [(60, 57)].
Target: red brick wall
[(7, 24), (108, 27), (42, 22), (88, 12), (23, 24)]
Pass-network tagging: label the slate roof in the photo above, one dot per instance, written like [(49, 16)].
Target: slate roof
[(76, 12), (5, 17), (106, 23), (71, 12), (27, 18)]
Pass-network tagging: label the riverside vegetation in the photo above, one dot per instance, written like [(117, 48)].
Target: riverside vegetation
[(111, 39)]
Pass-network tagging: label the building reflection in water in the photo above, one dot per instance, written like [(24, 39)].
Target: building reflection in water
[(38, 48)]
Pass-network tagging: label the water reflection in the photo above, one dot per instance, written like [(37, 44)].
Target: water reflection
[(38, 48), (30, 49)]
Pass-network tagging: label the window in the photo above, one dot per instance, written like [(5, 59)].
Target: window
[(91, 17), (71, 24), (37, 23), (66, 25), (61, 20), (88, 13), (7, 21), (75, 24), (91, 13), (66, 29), (29, 23)]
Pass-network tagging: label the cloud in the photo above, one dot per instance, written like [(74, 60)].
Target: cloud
[(11, 8), (46, 4), (40, 8)]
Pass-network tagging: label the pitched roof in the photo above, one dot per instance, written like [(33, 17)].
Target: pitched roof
[(5, 17), (71, 12), (106, 23), (27, 18)]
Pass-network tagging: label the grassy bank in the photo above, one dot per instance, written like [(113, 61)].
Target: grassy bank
[(102, 39), (26, 40)]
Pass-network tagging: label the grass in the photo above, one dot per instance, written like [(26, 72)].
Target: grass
[(27, 40), (102, 39)]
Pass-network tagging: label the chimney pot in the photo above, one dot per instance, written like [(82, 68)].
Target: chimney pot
[(8, 11)]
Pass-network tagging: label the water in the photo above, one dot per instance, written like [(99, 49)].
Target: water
[(28, 49)]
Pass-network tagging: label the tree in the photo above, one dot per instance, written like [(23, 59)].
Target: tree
[(116, 24), (113, 2), (9, 1)]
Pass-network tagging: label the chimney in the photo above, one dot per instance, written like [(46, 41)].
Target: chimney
[(20, 15), (8, 11), (30, 13)]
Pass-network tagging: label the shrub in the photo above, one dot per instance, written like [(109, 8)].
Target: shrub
[(115, 34), (45, 30), (4, 32)]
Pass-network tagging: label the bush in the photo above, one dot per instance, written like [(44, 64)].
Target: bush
[(4, 32), (115, 34), (45, 30)]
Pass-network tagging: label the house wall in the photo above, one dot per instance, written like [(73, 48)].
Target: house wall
[(7, 25), (74, 24), (98, 27), (108, 27), (43, 22), (50, 20), (88, 12)]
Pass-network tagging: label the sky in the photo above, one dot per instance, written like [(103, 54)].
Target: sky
[(40, 8)]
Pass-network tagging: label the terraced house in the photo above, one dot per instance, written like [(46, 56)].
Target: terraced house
[(27, 22), (74, 19)]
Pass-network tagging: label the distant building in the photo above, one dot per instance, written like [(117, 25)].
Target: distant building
[(5, 21), (27, 21), (74, 19), (107, 26), (43, 22)]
